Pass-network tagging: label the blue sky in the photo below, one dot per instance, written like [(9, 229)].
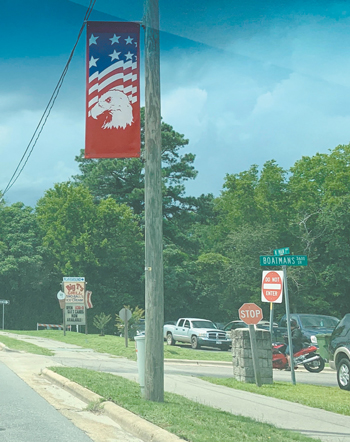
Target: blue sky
[(246, 82)]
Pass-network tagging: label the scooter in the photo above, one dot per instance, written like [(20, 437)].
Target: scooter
[(307, 357)]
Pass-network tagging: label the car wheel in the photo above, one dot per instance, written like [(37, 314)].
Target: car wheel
[(194, 342), (169, 339), (343, 374), (225, 348), (315, 366)]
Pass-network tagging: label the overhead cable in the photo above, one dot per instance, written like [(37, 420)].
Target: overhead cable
[(28, 151)]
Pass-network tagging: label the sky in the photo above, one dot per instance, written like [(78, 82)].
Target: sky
[(245, 82)]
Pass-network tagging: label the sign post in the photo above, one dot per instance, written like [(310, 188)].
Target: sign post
[(251, 314), (282, 258), (289, 330), (4, 302), (125, 314)]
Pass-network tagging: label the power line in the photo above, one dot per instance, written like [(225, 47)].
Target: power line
[(28, 151)]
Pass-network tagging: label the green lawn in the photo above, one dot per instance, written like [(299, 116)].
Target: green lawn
[(327, 398), (16, 344), (115, 345), (187, 419)]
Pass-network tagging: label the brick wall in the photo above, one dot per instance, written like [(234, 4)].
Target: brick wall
[(243, 369)]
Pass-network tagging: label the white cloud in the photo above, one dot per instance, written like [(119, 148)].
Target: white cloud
[(52, 159), (185, 109)]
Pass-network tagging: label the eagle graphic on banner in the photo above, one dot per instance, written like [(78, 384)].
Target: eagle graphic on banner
[(113, 90)]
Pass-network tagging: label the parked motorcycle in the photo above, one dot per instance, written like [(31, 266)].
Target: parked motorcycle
[(306, 356)]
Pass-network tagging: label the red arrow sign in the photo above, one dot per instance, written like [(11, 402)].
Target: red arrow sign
[(272, 286), (250, 313)]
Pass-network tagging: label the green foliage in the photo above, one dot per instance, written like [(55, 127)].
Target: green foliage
[(137, 314), (99, 240), (188, 419), (100, 322), (23, 279)]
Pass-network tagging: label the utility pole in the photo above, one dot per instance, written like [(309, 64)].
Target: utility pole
[(154, 296)]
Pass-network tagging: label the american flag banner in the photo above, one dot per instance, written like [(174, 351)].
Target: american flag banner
[(112, 90)]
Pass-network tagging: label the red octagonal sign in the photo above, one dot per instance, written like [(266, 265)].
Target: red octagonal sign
[(250, 313)]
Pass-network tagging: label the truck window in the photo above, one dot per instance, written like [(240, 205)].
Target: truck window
[(187, 324), (181, 323)]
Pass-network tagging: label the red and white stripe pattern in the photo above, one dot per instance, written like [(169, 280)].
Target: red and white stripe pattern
[(120, 75)]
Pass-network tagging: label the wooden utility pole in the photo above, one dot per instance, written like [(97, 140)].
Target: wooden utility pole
[(154, 296)]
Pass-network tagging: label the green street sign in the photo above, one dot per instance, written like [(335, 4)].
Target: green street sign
[(290, 260), (280, 252)]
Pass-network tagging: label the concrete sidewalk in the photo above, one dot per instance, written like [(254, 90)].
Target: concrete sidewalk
[(316, 423)]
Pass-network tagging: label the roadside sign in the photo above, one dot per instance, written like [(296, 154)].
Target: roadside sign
[(74, 289), (60, 295), (125, 314), (250, 313), (75, 314), (289, 260), (4, 301), (281, 252), (272, 286), (88, 302), (73, 279)]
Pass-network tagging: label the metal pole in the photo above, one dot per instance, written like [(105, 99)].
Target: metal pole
[(255, 357), (271, 319), (289, 331), (154, 292)]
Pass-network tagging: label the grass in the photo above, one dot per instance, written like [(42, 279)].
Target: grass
[(115, 345), (187, 419), (16, 344), (327, 398)]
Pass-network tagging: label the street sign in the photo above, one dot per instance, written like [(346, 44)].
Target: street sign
[(73, 279), (272, 286), (125, 314), (4, 301), (290, 260), (250, 313), (280, 252)]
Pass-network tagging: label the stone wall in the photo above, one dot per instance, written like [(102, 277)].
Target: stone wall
[(243, 368)]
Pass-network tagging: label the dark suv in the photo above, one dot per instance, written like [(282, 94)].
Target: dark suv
[(339, 352), (310, 325)]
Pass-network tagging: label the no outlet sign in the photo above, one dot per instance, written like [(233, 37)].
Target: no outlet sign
[(250, 313), (272, 286)]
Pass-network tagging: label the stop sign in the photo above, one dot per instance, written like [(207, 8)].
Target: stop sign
[(271, 287), (250, 313)]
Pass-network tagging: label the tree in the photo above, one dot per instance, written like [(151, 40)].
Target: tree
[(123, 179), (22, 278), (100, 241)]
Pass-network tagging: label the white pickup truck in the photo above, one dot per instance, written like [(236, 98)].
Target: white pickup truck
[(197, 332)]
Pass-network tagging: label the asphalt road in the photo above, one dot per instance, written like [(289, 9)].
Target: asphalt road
[(26, 416)]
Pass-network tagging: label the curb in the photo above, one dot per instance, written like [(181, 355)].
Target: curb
[(4, 348), (129, 421), (199, 362)]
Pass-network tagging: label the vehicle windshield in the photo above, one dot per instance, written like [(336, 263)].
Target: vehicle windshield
[(315, 321), (203, 324)]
